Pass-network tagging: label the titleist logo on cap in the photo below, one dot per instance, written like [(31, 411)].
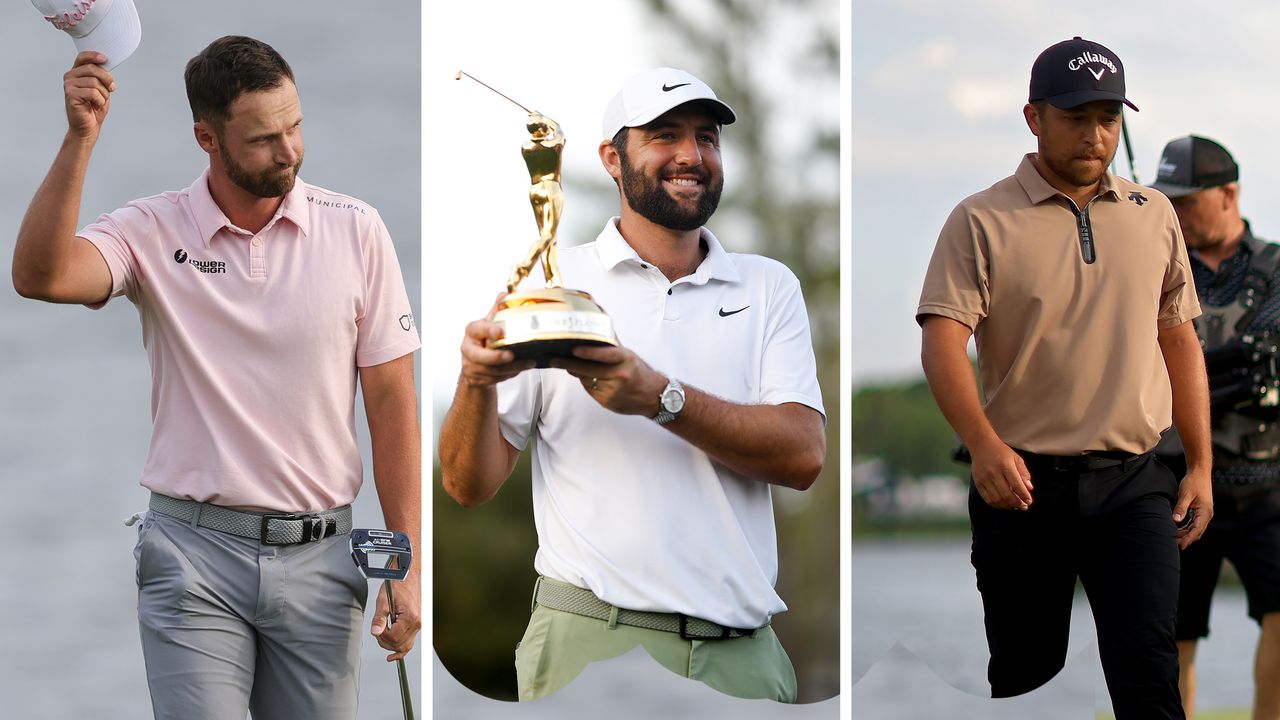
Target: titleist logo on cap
[(107, 27), (1090, 57), (71, 18)]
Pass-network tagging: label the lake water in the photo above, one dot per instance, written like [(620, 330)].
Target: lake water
[(74, 384), (919, 649)]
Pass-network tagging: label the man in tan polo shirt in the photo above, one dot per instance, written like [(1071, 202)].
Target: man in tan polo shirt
[(1076, 286)]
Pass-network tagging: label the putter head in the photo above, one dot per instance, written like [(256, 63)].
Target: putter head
[(381, 544)]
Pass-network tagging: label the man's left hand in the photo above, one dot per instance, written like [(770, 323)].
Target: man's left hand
[(1195, 492), (616, 378), (398, 637)]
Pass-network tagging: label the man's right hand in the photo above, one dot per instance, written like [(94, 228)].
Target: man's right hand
[(475, 459), (1001, 477), (483, 366), (87, 89)]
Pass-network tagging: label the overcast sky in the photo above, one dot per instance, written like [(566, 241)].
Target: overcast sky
[(938, 90)]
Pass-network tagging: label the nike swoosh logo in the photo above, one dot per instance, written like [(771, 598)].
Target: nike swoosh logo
[(669, 88), (733, 312), (1096, 75)]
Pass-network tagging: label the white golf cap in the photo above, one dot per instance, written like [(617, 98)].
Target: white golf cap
[(110, 27), (645, 96)]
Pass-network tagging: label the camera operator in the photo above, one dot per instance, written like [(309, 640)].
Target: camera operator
[(1239, 289)]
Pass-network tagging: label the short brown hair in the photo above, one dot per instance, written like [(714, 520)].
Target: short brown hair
[(619, 143), (229, 67)]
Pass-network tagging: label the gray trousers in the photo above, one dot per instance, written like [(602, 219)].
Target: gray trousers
[(231, 626)]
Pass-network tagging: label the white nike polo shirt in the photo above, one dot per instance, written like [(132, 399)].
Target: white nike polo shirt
[(628, 509)]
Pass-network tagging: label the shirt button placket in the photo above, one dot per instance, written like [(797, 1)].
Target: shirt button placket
[(257, 258), (671, 308)]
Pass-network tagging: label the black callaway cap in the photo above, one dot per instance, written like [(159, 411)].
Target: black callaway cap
[(1192, 163), (1075, 72)]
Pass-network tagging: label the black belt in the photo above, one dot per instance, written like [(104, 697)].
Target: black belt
[(1088, 462)]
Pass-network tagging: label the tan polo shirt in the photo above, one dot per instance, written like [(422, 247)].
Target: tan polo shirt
[(1067, 350)]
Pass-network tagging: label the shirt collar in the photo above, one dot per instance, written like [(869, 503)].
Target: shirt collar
[(209, 218), (613, 249), (1038, 189)]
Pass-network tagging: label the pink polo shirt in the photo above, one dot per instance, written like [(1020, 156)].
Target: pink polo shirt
[(254, 340)]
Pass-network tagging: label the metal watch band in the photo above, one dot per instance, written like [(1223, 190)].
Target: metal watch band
[(665, 415)]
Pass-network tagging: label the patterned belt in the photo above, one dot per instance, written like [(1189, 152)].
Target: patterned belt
[(268, 528), (573, 599)]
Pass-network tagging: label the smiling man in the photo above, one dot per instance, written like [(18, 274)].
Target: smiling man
[(653, 460), (262, 300), (1076, 286)]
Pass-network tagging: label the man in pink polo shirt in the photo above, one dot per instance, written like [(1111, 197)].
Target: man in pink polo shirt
[(262, 300)]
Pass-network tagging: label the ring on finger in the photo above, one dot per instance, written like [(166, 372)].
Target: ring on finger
[(595, 384)]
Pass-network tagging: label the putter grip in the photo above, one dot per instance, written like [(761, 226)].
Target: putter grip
[(391, 605)]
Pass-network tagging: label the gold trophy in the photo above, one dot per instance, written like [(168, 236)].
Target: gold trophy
[(549, 322)]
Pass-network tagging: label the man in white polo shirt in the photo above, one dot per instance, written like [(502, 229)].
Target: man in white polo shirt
[(262, 299), (652, 460)]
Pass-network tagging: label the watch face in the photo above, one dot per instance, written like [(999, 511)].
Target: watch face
[(672, 400)]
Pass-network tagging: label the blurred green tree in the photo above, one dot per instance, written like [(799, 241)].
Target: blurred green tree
[(900, 424), (483, 582)]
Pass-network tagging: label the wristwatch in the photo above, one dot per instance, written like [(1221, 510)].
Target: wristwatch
[(670, 403)]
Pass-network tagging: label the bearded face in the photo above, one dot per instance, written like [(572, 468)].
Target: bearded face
[(273, 182), (670, 171)]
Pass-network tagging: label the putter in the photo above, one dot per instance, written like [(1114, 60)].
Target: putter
[(385, 546)]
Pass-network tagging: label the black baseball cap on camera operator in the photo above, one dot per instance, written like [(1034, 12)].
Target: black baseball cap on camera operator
[(1193, 163), (1074, 72)]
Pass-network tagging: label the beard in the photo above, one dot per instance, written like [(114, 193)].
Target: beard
[(1078, 174), (1201, 241), (650, 199), (273, 183), (1065, 161)]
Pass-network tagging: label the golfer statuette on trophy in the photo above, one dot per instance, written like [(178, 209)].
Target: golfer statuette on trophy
[(549, 322)]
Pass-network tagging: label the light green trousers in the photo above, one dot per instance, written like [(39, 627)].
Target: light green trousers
[(557, 646)]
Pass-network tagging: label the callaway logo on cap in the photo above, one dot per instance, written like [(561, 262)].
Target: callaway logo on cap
[(110, 27), (1075, 72), (644, 97)]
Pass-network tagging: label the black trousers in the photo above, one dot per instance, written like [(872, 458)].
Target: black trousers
[(1112, 529), (1246, 531)]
